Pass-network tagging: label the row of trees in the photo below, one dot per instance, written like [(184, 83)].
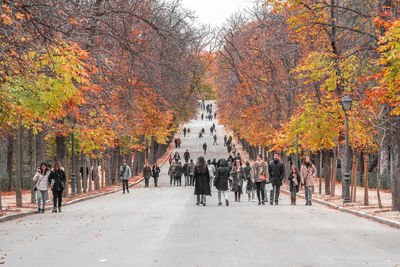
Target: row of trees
[(119, 75), (283, 67)]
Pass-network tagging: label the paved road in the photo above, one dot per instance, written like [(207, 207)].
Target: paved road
[(163, 227)]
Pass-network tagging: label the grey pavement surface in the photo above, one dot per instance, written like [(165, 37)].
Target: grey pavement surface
[(163, 227)]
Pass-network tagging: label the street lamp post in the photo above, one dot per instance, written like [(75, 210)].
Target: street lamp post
[(346, 105)]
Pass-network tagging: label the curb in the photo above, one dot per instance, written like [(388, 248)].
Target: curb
[(351, 211), (23, 214)]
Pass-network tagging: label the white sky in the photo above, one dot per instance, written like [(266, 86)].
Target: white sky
[(215, 12)]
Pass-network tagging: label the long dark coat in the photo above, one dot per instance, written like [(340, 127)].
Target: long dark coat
[(147, 172), (201, 182), (221, 178), (59, 180), (238, 178), (292, 186), (276, 172)]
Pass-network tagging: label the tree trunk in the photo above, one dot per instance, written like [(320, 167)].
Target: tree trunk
[(84, 172), (32, 163), (18, 169), (353, 177), (40, 148), (95, 174), (61, 149), (78, 176), (320, 172), (361, 172), (366, 160), (10, 159), (395, 163), (326, 157), (90, 173), (335, 163), (107, 168)]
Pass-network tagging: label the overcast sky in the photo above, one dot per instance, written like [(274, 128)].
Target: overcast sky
[(215, 12)]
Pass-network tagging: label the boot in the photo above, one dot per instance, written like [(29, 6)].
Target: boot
[(42, 210), (54, 209), (291, 201), (39, 210), (227, 202), (309, 203), (294, 201), (220, 204), (238, 198), (59, 209)]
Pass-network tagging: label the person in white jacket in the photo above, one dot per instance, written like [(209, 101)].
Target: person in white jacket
[(42, 186)]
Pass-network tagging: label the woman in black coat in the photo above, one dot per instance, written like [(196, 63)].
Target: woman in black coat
[(57, 181), (221, 180), (156, 174), (294, 178), (201, 181)]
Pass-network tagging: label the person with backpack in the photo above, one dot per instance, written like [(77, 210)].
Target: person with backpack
[(156, 173), (42, 186), (57, 180), (125, 174), (146, 174)]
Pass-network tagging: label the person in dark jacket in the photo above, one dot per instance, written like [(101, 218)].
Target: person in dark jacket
[(205, 148), (294, 179), (186, 155), (191, 172), (250, 187), (146, 174), (225, 139), (238, 176), (156, 173), (221, 180), (202, 181), (184, 132), (276, 174), (178, 174), (57, 180), (177, 157), (186, 173)]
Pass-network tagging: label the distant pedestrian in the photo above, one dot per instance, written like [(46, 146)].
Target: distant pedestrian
[(205, 148), (215, 115), (221, 181), (57, 180), (188, 132), (260, 178), (156, 173), (308, 172), (202, 181), (177, 157), (294, 182), (238, 176), (276, 174), (125, 174), (200, 135), (146, 174), (191, 172), (186, 155), (234, 150), (229, 147), (225, 140), (42, 186), (215, 140), (171, 173), (179, 142), (211, 131), (170, 159), (202, 116), (176, 142), (214, 162), (186, 172), (178, 174), (184, 132)]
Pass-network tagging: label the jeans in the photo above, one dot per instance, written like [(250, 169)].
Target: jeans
[(178, 180), (125, 185), (293, 194), (308, 192), (146, 182), (187, 180), (57, 198), (225, 193), (191, 179), (250, 193), (201, 199), (260, 191), (276, 189), (155, 181), (172, 179), (42, 197)]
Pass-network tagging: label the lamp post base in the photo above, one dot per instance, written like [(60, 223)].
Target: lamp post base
[(346, 198)]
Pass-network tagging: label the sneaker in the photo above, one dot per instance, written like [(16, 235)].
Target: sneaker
[(254, 200), (123, 192), (39, 210), (54, 210), (276, 202), (263, 202), (271, 203), (220, 204), (42, 211), (59, 209)]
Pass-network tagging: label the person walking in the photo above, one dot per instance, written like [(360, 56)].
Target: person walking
[(205, 148), (170, 159), (178, 174), (146, 174), (250, 184), (188, 132), (260, 178), (191, 172), (202, 116), (214, 162), (186, 155), (211, 131), (186, 172), (176, 142), (238, 176), (57, 181), (184, 132), (294, 181), (156, 173), (211, 171), (234, 151), (202, 181), (171, 173), (179, 141), (308, 172), (215, 140), (125, 174), (225, 140), (221, 181), (177, 157), (42, 186), (276, 174)]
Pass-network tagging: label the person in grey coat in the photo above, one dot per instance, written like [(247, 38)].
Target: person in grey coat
[(124, 174)]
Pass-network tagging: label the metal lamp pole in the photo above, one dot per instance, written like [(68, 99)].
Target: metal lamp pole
[(346, 105)]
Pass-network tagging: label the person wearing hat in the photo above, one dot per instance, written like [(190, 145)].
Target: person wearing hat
[(124, 174)]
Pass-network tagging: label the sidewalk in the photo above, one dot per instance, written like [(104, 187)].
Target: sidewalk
[(372, 211), (10, 210)]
